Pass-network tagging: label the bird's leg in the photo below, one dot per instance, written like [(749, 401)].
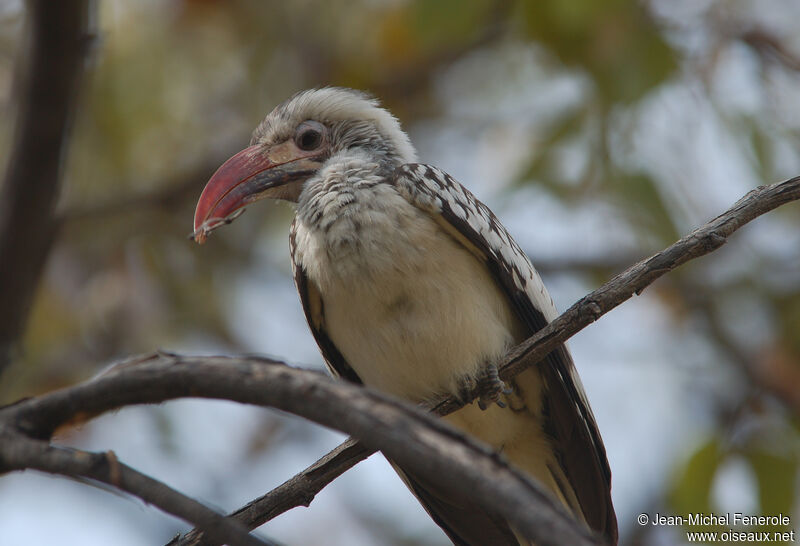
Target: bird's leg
[(487, 385)]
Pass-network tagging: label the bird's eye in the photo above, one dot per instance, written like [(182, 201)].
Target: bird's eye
[(309, 136)]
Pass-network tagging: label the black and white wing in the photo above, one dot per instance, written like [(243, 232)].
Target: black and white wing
[(569, 419)]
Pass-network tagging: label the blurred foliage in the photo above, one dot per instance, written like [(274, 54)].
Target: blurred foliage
[(770, 459), (177, 85), (614, 41), (692, 489)]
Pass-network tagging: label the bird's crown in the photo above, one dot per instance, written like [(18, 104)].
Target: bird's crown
[(355, 117)]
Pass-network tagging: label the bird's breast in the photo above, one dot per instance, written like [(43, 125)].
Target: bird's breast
[(409, 308)]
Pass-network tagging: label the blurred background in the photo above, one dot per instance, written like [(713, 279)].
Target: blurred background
[(599, 133)]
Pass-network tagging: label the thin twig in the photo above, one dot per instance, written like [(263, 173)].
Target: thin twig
[(20, 452), (636, 278), (298, 491), (771, 46)]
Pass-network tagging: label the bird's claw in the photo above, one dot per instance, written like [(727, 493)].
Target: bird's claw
[(487, 385)]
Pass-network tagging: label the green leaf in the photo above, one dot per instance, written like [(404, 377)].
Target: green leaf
[(777, 475), (691, 491)]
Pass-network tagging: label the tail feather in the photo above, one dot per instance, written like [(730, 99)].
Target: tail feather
[(464, 521)]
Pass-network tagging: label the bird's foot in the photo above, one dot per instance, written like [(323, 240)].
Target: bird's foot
[(487, 385)]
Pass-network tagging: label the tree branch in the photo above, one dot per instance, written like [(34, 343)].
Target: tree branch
[(770, 46), (300, 490), (378, 419), (620, 288), (412, 438), (20, 452), (49, 78), (636, 278)]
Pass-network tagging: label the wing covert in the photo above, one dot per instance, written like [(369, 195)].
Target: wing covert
[(569, 418)]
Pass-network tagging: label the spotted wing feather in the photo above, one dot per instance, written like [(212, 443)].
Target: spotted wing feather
[(569, 419)]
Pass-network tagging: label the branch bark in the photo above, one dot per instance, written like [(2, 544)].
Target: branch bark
[(20, 452), (49, 77), (636, 278), (299, 490), (412, 438)]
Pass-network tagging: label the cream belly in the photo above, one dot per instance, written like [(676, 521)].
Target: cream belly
[(415, 317)]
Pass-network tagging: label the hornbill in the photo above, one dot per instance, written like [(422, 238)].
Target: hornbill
[(412, 286)]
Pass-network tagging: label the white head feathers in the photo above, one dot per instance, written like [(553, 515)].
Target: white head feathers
[(330, 105)]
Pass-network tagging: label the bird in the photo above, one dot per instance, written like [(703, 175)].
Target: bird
[(412, 286)]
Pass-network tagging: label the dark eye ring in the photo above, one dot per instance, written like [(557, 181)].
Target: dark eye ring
[(309, 137)]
